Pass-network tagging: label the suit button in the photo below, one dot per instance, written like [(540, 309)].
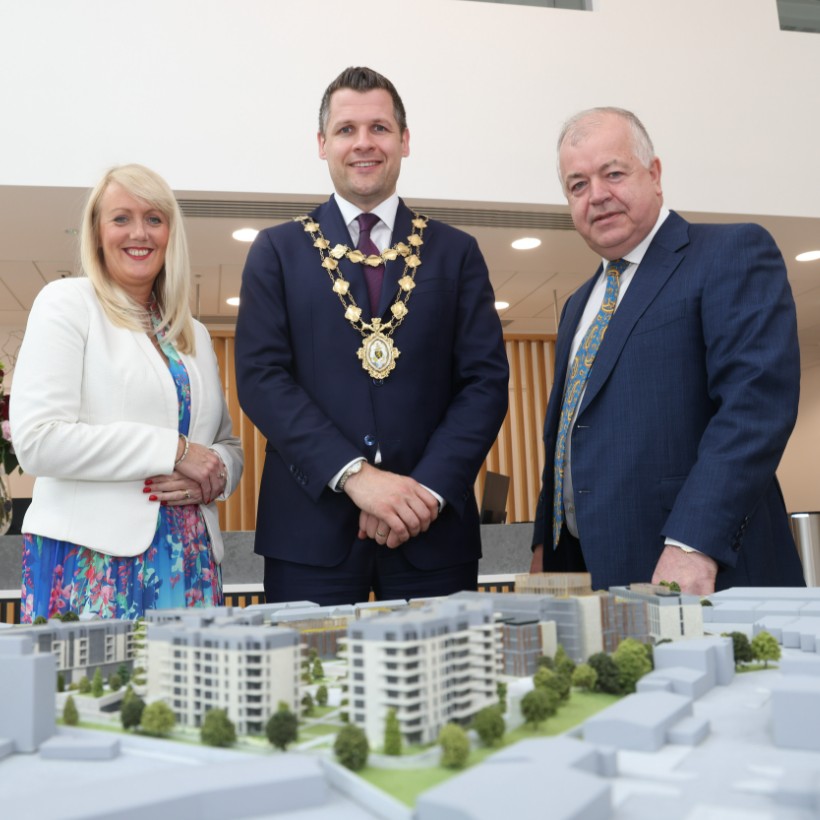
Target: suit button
[(378, 382), (369, 440)]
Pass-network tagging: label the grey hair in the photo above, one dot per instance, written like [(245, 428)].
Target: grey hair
[(578, 126)]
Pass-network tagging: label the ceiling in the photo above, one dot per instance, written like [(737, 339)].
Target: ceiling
[(38, 244)]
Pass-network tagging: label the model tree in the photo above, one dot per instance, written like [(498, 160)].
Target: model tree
[(114, 682), (351, 748), (283, 727), (131, 709), (558, 682), (489, 725), (538, 705), (741, 647), (307, 704), (217, 729), (584, 677), (321, 695), (631, 659), (318, 669), (157, 719), (392, 734), (124, 673), (60, 682), (97, 684), (607, 673), (455, 746), (71, 717), (83, 685), (501, 690), (765, 648)]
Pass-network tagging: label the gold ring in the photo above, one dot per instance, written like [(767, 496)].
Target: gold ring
[(222, 475), (381, 534), (187, 493)]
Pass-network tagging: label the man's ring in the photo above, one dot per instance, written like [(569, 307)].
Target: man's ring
[(222, 474), (381, 534)]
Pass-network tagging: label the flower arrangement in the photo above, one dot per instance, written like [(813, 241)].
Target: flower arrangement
[(8, 461)]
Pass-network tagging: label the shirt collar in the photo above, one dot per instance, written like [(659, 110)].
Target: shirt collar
[(636, 255), (386, 211)]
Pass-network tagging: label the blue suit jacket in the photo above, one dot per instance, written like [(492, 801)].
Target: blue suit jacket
[(688, 407), (300, 382)]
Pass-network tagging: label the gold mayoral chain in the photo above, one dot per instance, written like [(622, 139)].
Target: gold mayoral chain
[(378, 354)]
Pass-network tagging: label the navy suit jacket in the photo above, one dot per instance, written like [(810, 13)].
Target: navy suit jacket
[(688, 407), (299, 380)]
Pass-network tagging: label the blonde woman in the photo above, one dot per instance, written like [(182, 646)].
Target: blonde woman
[(119, 412)]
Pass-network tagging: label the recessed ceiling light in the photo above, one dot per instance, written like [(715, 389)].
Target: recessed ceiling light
[(502, 305), (233, 301), (526, 243), (245, 234), (71, 231), (808, 256)]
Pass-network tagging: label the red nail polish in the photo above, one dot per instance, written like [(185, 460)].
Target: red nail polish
[(148, 481), (164, 503), (146, 489), (153, 498)]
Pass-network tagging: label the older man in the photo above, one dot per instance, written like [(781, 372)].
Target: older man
[(370, 355), (676, 389)]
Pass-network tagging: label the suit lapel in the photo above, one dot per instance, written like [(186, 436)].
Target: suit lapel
[(663, 256), (335, 231), (394, 270)]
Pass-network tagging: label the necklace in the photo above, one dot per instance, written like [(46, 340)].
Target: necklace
[(378, 353)]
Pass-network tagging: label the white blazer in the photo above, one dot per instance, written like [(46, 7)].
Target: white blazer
[(94, 413)]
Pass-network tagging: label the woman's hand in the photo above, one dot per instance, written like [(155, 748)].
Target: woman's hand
[(197, 479)]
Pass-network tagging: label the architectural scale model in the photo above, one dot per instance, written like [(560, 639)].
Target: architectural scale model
[(695, 740)]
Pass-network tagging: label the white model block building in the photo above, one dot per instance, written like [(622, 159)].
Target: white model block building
[(670, 615), (434, 666), (27, 682), (246, 670)]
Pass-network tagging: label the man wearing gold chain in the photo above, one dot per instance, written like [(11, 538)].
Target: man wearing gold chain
[(371, 358)]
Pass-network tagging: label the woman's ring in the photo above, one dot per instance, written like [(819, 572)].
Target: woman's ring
[(187, 494)]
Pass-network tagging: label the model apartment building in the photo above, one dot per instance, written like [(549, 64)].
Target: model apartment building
[(433, 665), (201, 662)]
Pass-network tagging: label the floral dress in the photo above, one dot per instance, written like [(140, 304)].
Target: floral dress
[(177, 569)]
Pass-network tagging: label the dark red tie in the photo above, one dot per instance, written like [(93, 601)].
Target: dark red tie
[(373, 276)]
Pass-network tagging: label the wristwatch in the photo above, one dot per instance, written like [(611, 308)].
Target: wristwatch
[(354, 468)]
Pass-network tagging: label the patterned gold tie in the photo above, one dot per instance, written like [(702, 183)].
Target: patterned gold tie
[(574, 388)]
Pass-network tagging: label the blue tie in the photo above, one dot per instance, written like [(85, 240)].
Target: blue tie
[(574, 389)]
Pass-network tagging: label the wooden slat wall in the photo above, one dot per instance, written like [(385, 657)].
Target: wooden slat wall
[(517, 452)]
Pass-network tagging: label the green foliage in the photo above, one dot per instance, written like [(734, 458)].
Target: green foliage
[(312, 654), (584, 677), (632, 662), (71, 717), (741, 647), (607, 672), (283, 728), (538, 705), (157, 719), (68, 617), (318, 669), (60, 682), (97, 684), (114, 682), (40, 620), (124, 673), (351, 748), (392, 734), (217, 729), (455, 746), (706, 602), (131, 709), (138, 676), (501, 690), (489, 725), (83, 685), (321, 695), (555, 681), (307, 677), (307, 704), (765, 648), (545, 661)]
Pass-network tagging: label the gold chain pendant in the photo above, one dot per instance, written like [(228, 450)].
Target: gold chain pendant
[(378, 354)]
